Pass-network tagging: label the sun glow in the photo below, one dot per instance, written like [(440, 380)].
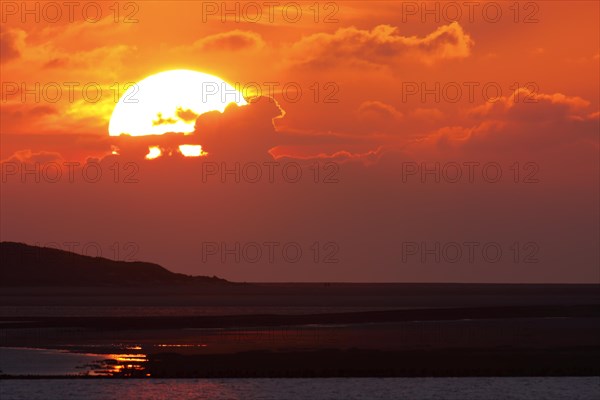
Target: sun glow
[(170, 101), (191, 150), (153, 152)]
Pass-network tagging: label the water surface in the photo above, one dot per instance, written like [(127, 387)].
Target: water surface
[(572, 388)]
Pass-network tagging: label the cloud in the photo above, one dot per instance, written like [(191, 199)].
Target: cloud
[(10, 43), (235, 209), (249, 133), (380, 46), (528, 106), (236, 40), (240, 132), (376, 117), (161, 121), (24, 117), (56, 63), (525, 120), (79, 49), (426, 114), (186, 115), (374, 110), (28, 156)]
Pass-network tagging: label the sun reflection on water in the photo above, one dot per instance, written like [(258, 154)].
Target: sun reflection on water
[(120, 365)]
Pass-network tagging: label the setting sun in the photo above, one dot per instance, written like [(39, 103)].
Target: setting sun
[(191, 150), (153, 152), (300, 199), (170, 101)]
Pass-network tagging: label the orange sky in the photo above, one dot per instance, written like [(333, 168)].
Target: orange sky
[(362, 59)]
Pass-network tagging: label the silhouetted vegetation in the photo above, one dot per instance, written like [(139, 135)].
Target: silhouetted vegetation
[(25, 265)]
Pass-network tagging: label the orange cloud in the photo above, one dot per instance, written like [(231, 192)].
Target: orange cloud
[(380, 46), (27, 156), (523, 102), (10, 43), (376, 109), (524, 120), (186, 115), (235, 40), (240, 132)]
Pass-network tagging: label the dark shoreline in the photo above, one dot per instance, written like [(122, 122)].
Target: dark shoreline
[(330, 363), (413, 330), (373, 363), (230, 321)]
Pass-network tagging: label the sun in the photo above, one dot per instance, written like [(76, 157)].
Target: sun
[(170, 101)]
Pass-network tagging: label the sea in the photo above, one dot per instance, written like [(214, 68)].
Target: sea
[(67, 368), (65, 365), (571, 388)]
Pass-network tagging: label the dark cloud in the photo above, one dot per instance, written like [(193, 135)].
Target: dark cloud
[(369, 210), (56, 63), (9, 49), (14, 117), (533, 120), (240, 132)]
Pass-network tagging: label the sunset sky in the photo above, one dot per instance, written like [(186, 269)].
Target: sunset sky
[(365, 97)]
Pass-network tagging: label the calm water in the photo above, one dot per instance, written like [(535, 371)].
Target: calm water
[(29, 361), (170, 311), (309, 389), (47, 362)]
